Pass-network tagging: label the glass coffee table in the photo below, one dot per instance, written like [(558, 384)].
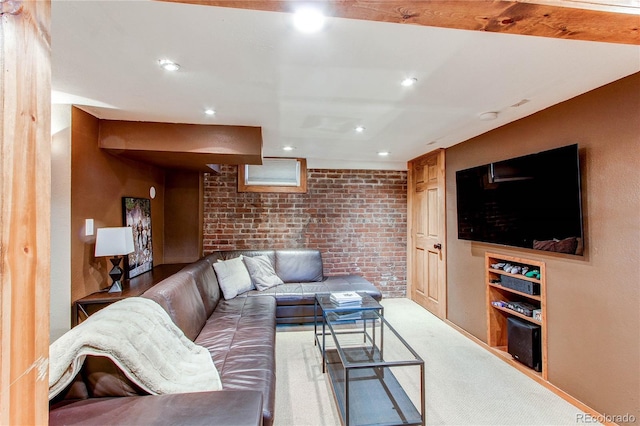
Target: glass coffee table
[(325, 305), (370, 367)]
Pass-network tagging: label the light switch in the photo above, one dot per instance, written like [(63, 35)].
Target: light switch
[(88, 227)]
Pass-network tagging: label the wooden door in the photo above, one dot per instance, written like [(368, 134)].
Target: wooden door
[(426, 221)]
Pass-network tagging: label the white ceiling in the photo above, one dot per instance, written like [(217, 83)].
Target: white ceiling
[(311, 90)]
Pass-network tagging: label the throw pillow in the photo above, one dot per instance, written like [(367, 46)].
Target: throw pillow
[(261, 271), (233, 277)]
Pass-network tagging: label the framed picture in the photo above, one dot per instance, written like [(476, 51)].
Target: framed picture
[(136, 213)]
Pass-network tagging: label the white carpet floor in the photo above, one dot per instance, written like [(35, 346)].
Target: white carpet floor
[(465, 384)]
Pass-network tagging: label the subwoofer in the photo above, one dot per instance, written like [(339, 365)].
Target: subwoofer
[(524, 341)]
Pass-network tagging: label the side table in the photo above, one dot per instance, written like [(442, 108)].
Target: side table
[(92, 303)]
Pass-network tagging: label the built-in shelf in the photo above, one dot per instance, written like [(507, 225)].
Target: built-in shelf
[(497, 316)]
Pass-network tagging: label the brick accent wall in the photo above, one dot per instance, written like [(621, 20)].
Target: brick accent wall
[(356, 218)]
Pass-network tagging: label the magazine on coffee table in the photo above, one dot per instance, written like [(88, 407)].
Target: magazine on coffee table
[(348, 315), (346, 298)]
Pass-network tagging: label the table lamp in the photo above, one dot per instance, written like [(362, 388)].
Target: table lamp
[(114, 242)]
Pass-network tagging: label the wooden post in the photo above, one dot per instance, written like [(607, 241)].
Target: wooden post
[(25, 180)]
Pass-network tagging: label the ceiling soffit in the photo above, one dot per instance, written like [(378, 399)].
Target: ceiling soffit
[(182, 146)]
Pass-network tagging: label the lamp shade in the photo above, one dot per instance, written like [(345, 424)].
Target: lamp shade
[(114, 241)]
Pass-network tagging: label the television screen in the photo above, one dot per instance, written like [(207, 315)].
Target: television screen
[(532, 201)]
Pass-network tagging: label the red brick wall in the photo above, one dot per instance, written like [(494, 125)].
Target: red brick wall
[(356, 218)]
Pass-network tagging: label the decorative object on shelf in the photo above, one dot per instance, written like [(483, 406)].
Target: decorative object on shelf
[(136, 214), (522, 307), (537, 314), (533, 274), (114, 242)]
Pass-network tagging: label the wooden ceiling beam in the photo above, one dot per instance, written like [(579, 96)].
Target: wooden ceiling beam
[(509, 17)]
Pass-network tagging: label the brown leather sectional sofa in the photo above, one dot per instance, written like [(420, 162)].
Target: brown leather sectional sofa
[(239, 333)]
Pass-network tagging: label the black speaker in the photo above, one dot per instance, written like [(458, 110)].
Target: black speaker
[(524, 341)]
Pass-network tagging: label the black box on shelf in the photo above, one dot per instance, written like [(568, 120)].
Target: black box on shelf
[(517, 284), (524, 342)]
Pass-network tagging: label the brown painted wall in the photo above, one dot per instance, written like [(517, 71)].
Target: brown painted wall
[(357, 218), (593, 301), (98, 183), (183, 195)]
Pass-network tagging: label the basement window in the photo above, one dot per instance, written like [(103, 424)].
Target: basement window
[(274, 175)]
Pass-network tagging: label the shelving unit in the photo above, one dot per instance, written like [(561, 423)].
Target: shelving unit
[(497, 316)]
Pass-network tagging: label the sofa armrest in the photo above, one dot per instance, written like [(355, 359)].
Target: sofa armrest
[(202, 408)]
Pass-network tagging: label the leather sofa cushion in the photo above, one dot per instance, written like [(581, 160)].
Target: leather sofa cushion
[(240, 335), (304, 293), (299, 265), (179, 296), (207, 283)]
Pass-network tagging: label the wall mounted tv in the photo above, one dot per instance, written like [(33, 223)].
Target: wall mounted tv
[(531, 201)]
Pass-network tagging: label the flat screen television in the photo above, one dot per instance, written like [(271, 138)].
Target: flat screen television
[(531, 201)]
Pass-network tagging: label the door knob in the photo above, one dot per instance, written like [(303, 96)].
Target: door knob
[(437, 246)]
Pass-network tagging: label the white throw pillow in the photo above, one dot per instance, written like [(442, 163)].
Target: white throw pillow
[(233, 277), (261, 271)]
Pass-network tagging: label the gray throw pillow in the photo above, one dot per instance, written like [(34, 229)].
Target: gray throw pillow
[(261, 271), (233, 277)]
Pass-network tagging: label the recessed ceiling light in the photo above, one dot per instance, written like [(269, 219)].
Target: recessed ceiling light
[(410, 81), (210, 111), (288, 148), (308, 20), (359, 129), (168, 65), (488, 116), (383, 153)]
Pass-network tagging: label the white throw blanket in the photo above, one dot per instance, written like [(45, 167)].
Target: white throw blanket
[(140, 338)]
